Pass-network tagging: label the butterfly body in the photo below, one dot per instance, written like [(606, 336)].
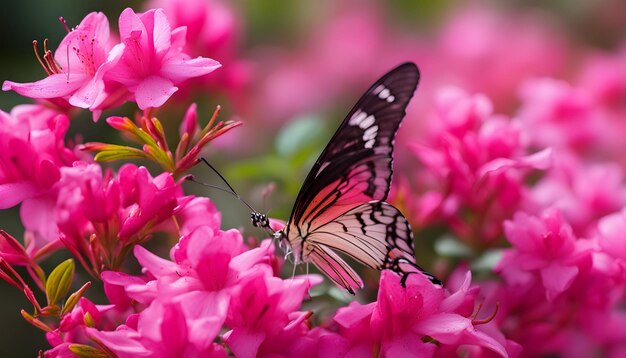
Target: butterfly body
[(341, 206)]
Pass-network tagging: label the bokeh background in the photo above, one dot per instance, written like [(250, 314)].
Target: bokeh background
[(293, 69)]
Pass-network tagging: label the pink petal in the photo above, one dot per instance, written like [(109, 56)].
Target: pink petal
[(203, 331), (53, 86), (178, 70), (352, 315), (174, 328), (129, 22), (154, 264), (557, 278), (38, 216), (12, 194), (444, 327), (453, 301), (121, 341), (162, 32), (244, 344), (153, 91), (408, 345)]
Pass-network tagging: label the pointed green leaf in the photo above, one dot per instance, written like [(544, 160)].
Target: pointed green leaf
[(86, 351), (118, 152), (73, 299), (59, 281)]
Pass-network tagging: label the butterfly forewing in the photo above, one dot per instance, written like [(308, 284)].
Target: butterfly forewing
[(341, 204), (355, 166)]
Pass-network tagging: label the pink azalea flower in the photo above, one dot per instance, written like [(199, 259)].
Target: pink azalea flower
[(544, 249), (419, 320), (147, 200), (213, 27), (74, 325), (83, 57), (583, 192), (262, 315), (31, 152), (151, 61), (559, 115), (475, 162), (162, 330)]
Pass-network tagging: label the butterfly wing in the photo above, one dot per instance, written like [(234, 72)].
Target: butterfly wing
[(374, 233), (341, 204)]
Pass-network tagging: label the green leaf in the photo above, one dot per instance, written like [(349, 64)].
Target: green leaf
[(450, 246), (73, 299), (488, 260), (299, 134), (119, 152), (86, 351), (59, 281)]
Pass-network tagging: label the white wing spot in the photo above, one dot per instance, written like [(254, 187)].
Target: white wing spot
[(367, 122), (370, 133), (378, 89), (384, 94), (369, 136), (357, 118), (391, 99)]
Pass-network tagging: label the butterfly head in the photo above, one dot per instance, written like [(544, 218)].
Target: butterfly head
[(259, 220)]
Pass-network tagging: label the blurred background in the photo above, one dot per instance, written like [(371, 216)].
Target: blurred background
[(292, 70)]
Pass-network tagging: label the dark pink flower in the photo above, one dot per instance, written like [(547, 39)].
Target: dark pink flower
[(31, 151), (151, 61), (163, 330), (420, 319), (264, 318), (475, 162), (544, 248), (147, 201)]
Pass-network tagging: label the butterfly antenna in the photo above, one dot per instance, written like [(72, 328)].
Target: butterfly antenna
[(232, 191), (258, 219)]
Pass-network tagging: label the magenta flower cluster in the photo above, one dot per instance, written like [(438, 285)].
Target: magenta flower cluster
[(529, 207)]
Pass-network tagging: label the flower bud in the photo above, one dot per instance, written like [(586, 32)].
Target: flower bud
[(59, 281)]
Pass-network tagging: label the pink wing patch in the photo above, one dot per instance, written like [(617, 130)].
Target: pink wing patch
[(333, 266)]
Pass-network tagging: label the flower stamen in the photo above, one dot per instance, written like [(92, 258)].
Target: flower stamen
[(476, 322)]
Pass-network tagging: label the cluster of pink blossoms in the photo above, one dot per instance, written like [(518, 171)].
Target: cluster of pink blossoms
[(529, 196), (539, 218), (91, 69)]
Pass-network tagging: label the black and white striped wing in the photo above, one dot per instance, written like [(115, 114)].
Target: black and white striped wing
[(374, 233)]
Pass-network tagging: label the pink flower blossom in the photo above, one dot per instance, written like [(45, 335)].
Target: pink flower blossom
[(543, 249), (559, 115), (213, 27), (474, 161), (419, 318), (152, 62), (31, 151), (583, 192), (213, 281), (83, 57)]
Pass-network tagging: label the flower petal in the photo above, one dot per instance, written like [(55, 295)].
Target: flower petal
[(53, 86), (153, 91)]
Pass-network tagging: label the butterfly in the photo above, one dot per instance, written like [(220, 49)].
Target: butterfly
[(341, 206)]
